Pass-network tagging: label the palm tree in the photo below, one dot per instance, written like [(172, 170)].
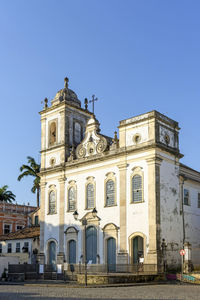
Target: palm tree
[(32, 169), (5, 195)]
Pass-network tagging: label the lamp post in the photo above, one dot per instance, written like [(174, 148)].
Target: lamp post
[(84, 223)]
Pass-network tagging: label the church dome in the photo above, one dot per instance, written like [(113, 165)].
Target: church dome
[(66, 95)]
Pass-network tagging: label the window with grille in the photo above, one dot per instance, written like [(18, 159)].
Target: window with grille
[(90, 195), (7, 228), (186, 197), (52, 202), (71, 199), (0, 248), (17, 247), (137, 188), (9, 248), (198, 200), (110, 193)]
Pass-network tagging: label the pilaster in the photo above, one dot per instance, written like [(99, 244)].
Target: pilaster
[(122, 257), (42, 214), (153, 255), (61, 218)]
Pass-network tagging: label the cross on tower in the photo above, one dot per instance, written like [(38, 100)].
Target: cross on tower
[(92, 101)]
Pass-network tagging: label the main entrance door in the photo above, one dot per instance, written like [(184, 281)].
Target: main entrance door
[(111, 254), (91, 244)]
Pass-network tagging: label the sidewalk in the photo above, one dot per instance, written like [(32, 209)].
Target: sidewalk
[(72, 284)]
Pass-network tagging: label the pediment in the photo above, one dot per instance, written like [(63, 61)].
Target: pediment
[(94, 143)]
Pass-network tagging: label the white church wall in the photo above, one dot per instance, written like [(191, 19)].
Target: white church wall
[(137, 213), (192, 219), (171, 226), (51, 230), (131, 131), (107, 215)]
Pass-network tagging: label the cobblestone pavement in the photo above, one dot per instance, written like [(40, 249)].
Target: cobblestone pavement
[(151, 292)]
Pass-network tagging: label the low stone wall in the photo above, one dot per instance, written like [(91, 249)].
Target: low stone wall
[(112, 279)]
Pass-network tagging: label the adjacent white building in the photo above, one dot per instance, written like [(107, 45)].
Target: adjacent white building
[(146, 201)]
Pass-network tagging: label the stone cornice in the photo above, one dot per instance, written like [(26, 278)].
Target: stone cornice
[(64, 105), (118, 153), (148, 116), (53, 147)]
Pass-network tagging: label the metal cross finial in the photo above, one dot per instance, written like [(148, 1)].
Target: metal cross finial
[(92, 101)]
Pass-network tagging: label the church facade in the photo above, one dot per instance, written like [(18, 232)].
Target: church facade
[(114, 200)]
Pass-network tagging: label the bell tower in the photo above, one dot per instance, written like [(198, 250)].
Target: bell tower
[(62, 127)]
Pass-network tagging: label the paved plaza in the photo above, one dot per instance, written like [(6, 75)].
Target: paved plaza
[(153, 292)]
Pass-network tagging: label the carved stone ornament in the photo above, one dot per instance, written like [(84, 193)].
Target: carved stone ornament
[(101, 146), (90, 148), (81, 152)]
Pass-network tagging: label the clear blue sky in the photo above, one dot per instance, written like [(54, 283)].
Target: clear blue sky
[(134, 55)]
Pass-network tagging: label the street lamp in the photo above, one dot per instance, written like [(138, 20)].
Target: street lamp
[(84, 223)]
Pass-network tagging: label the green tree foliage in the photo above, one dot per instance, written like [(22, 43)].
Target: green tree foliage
[(32, 169), (5, 195)]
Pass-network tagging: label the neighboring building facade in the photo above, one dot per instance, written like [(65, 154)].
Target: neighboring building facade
[(14, 217), (23, 245), (144, 197)]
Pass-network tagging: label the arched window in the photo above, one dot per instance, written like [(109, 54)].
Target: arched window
[(52, 133), (137, 188), (71, 199), (110, 193), (90, 196), (52, 202)]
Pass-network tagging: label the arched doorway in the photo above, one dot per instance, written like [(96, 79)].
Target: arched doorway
[(91, 244), (137, 248), (111, 254), (72, 252), (52, 254)]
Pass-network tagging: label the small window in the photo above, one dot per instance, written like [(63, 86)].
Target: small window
[(17, 247), (19, 227), (0, 248), (198, 200), (137, 188), (52, 202), (7, 228), (186, 197), (71, 199), (25, 248), (36, 221), (110, 193), (90, 196), (9, 248)]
